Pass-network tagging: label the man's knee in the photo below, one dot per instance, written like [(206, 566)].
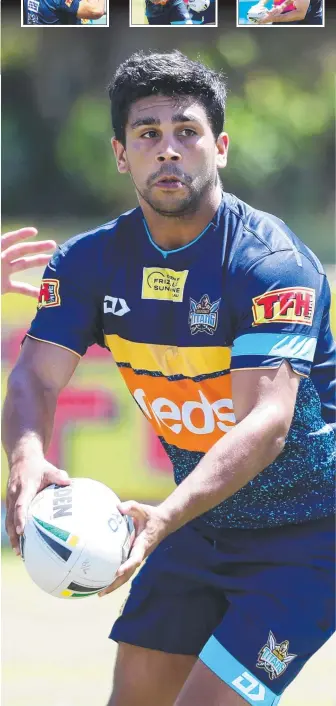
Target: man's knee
[(144, 677)]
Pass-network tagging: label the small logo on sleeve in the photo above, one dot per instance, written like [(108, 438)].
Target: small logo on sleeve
[(163, 284), (274, 658), (49, 293), (293, 305), (33, 5), (203, 316)]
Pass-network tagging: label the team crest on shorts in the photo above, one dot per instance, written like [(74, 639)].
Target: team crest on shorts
[(274, 658), (203, 316)]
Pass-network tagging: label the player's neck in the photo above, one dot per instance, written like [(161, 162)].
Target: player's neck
[(170, 233)]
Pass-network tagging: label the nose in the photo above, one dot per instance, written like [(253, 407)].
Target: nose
[(168, 153)]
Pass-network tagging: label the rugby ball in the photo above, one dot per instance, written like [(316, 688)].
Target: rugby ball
[(198, 5), (256, 13), (75, 539)]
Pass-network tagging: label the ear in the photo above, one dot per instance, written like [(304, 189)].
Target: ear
[(222, 144), (120, 155)]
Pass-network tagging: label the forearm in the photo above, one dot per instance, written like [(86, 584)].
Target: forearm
[(28, 416), (291, 16), (91, 9), (233, 461)]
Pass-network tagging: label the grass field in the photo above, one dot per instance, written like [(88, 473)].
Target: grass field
[(56, 652)]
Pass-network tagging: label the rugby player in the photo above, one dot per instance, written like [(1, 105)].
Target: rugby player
[(166, 12), (17, 256), (299, 12), (62, 12), (217, 317)]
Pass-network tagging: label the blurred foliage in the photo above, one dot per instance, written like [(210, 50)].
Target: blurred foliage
[(280, 118)]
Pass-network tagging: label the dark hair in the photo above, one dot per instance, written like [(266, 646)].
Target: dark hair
[(168, 74)]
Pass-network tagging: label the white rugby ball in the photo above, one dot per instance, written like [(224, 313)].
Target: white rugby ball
[(256, 13), (75, 539), (198, 5)]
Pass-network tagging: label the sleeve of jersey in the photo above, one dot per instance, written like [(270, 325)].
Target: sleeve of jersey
[(277, 313), (67, 313), (70, 6)]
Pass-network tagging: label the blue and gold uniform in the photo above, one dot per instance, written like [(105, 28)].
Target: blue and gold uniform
[(245, 294), (51, 12)]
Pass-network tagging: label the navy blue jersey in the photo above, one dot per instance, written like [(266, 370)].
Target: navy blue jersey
[(173, 11), (314, 13), (51, 12), (245, 294)]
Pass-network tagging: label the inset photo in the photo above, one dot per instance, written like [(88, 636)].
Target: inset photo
[(60, 13), (173, 12), (280, 13)]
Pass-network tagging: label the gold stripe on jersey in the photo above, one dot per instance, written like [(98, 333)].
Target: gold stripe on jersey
[(169, 360)]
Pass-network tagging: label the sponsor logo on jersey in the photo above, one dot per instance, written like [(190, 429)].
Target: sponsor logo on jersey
[(203, 316), (163, 284), (274, 658), (116, 306), (49, 293), (289, 305), (33, 5), (198, 416)]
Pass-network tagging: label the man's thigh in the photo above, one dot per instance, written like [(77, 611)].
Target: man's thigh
[(144, 677)]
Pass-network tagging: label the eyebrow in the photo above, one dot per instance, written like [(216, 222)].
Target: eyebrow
[(177, 118)]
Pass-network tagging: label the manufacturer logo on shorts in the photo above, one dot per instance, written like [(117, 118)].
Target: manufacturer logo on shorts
[(49, 293), (203, 316), (293, 305), (163, 284), (274, 658)]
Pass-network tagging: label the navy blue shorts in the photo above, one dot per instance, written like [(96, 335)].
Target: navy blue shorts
[(255, 605)]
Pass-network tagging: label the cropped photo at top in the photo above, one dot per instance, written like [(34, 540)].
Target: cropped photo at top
[(64, 12), (173, 12), (280, 12)]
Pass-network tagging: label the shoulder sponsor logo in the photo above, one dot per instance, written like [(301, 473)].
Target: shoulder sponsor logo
[(167, 413), (250, 687), (203, 316), (116, 306), (274, 658), (163, 284), (49, 293), (288, 305)]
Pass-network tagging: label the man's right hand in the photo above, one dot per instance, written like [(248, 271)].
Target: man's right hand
[(26, 479)]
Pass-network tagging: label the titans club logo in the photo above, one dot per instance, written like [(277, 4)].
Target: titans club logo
[(203, 316)]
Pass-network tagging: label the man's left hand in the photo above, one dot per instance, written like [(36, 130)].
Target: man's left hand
[(150, 529)]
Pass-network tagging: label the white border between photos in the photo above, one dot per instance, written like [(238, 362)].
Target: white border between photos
[(280, 24), (107, 5), (172, 26)]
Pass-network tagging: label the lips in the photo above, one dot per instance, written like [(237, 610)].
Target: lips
[(169, 182)]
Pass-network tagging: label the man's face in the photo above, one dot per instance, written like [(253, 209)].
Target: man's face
[(171, 153)]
